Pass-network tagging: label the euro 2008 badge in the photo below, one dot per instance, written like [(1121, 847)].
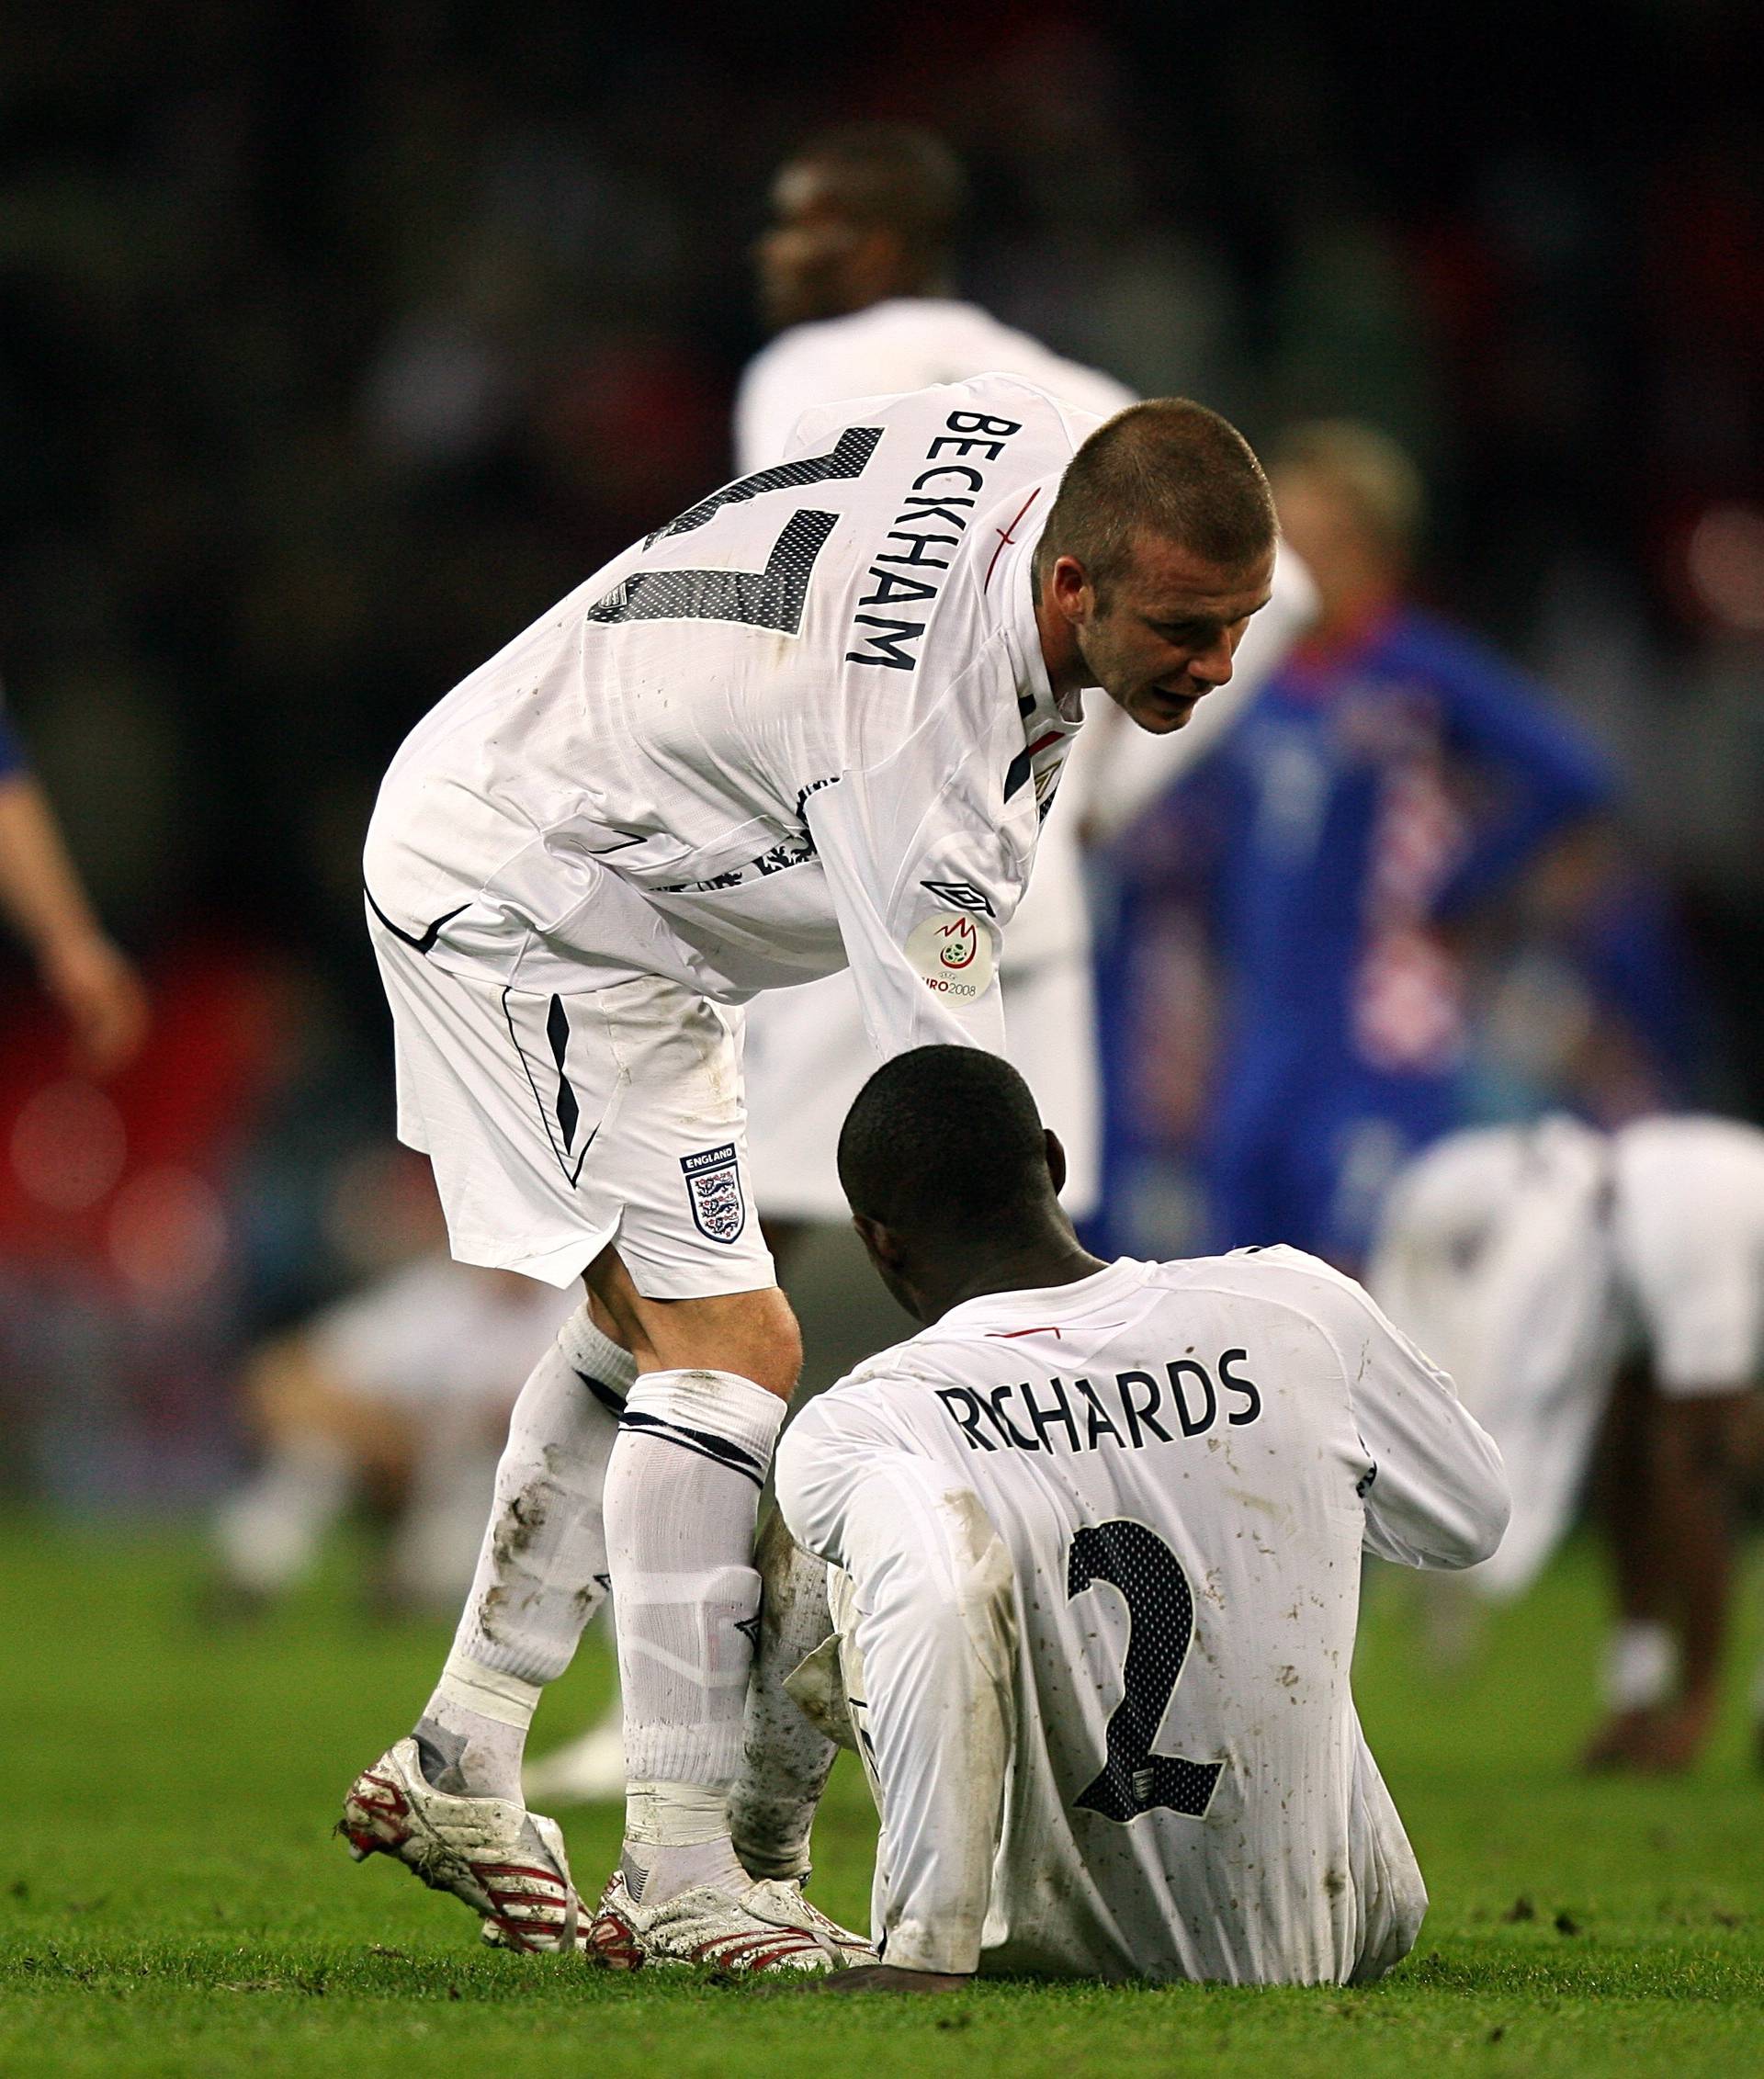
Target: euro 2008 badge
[(714, 1186), (953, 957)]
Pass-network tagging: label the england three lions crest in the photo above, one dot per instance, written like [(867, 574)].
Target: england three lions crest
[(714, 1186)]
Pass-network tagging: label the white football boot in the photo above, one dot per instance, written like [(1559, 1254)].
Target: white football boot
[(769, 1927), (506, 1863)]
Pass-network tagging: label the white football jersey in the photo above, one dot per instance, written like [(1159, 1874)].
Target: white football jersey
[(904, 343), (1186, 1461), (806, 722)]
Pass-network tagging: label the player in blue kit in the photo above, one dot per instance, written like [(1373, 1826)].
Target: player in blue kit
[(1392, 778)]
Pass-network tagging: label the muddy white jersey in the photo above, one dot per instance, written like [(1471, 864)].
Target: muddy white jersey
[(806, 722), (1186, 1461)]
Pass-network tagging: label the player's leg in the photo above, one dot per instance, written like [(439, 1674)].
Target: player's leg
[(1692, 1502), (803, 1059), (1051, 1022), (1641, 1663), (786, 1760), (540, 1115), (682, 1498), (319, 1441), (927, 1614), (541, 1571), (446, 1800)]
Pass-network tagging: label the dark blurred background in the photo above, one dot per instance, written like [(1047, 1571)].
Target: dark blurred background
[(336, 342)]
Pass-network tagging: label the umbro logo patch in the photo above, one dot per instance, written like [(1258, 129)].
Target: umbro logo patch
[(961, 895)]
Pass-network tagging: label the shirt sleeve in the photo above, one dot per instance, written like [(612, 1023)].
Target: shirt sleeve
[(932, 1615), (1548, 771), (1435, 1490), (909, 878)]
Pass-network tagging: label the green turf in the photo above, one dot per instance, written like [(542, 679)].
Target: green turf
[(170, 1901)]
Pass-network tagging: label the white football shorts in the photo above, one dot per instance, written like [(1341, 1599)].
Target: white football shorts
[(558, 1125), (1689, 1232)]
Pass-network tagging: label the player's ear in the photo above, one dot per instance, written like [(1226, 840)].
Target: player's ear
[(1071, 585), (1056, 1159), (879, 1244)]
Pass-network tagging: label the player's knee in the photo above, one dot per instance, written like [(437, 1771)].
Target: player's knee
[(771, 1344)]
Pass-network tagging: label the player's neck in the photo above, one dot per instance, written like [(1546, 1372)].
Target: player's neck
[(1066, 672), (1053, 1260)]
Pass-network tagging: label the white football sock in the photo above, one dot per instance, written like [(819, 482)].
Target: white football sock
[(676, 1836), (1640, 1665), (681, 1494), (270, 1530), (785, 1761), (472, 1732), (542, 1569)]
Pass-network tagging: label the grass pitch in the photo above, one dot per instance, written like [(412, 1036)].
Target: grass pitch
[(171, 1903)]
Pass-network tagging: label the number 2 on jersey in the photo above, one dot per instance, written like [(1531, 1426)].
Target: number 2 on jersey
[(1161, 1616), (772, 598)]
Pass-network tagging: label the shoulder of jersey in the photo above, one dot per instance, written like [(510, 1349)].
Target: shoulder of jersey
[(937, 400), (1277, 1264), (1689, 1140)]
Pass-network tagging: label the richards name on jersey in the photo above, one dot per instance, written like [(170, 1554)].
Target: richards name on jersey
[(1128, 1411)]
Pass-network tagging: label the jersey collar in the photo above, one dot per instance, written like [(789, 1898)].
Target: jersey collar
[(1019, 1312), (1008, 598)]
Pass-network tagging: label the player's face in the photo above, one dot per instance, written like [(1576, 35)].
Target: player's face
[(809, 257), (1164, 634)]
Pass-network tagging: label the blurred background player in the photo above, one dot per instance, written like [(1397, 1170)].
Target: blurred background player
[(1390, 782), (401, 1395), (1575, 1280), (40, 893), (856, 277), (1096, 1534)]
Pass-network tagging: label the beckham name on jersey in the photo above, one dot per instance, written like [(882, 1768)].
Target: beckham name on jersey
[(1078, 1414), (945, 495)]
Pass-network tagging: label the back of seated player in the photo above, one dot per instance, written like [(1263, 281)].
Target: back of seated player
[(1095, 1535)]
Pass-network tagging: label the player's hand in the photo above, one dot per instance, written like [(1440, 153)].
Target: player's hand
[(103, 998)]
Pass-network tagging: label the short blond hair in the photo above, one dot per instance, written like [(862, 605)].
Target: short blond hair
[(1367, 470)]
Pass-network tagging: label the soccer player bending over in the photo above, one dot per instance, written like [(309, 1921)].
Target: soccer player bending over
[(1095, 1539), (814, 721)]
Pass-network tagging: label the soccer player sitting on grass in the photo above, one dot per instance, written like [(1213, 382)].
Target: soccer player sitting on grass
[(1095, 1539)]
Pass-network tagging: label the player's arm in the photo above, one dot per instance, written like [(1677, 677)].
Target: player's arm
[(1434, 1490), (928, 1636), (1549, 777), (42, 897), (924, 962)]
